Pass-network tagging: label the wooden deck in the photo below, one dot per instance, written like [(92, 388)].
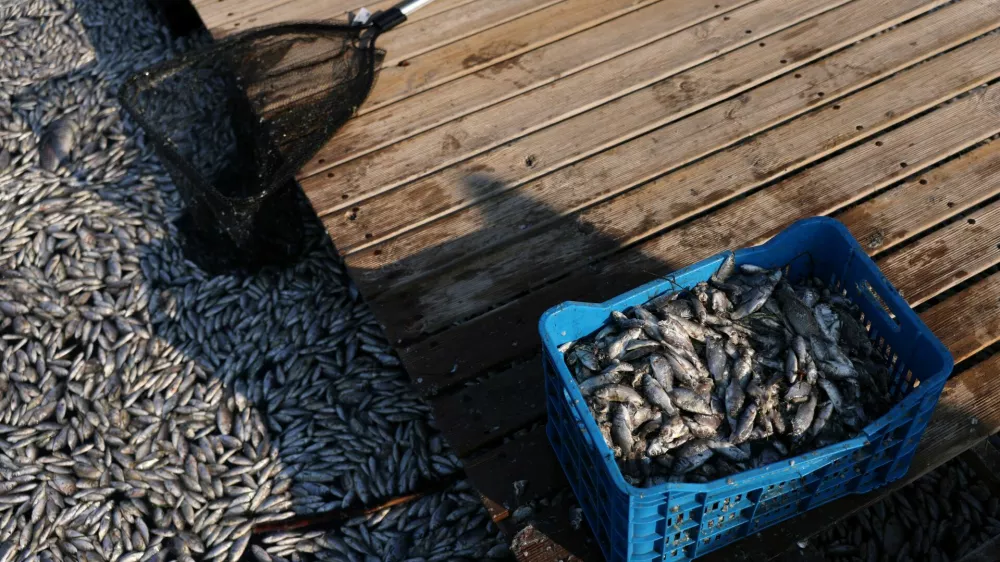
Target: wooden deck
[(516, 154)]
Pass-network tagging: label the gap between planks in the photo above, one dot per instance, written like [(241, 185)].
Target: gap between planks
[(822, 189), (927, 267), (381, 171), (618, 27), (499, 275)]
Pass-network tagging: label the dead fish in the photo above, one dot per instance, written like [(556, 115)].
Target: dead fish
[(715, 353), (719, 302), (621, 428), (745, 424), (756, 298), (728, 450), (617, 345), (778, 422), (686, 367), (638, 348), (798, 314), (851, 332), (56, 143), (742, 366), (662, 371), (690, 401), (804, 417), (726, 268), (703, 426), (684, 372), (735, 396), (658, 396), (613, 374), (619, 393), (798, 392), (691, 455), (832, 393), (791, 366), (821, 418), (828, 321)]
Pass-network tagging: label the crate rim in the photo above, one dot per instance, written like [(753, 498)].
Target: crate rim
[(793, 466)]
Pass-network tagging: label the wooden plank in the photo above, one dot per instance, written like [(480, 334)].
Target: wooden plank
[(615, 27), (948, 256), (477, 414), (446, 192), (984, 459), (939, 194), (518, 456), (487, 48), (548, 536), (970, 250), (821, 189), (499, 274), (987, 552), (214, 13), (580, 93), (305, 10)]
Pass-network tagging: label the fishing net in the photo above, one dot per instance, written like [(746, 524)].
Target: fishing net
[(232, 123)]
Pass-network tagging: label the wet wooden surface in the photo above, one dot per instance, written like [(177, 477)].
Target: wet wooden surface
[(514, 155)]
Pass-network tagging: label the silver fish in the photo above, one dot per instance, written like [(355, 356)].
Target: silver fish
[(745, 424), (716, 359), (804, 417), (662, 371), (621, 428), (657, 396), (690, 401), (619, 393), (798, 392)]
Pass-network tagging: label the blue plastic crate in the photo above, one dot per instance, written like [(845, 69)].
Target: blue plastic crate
[(677, 521)]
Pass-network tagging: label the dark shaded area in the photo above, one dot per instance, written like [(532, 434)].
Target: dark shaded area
[(179, 16), (234, 121)]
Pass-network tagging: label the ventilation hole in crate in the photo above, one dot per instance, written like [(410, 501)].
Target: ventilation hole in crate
[(865, 287)]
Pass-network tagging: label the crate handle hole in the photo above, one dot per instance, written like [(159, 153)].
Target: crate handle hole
[(871, 294)]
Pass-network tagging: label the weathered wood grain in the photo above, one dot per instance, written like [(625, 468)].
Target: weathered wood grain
[(618, 27), (454, 219), (498, 274), (577, 94), (822, 189)]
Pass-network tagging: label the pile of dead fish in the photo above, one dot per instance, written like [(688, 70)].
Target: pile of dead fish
[(740, 371), (943, 516), (150, 410)]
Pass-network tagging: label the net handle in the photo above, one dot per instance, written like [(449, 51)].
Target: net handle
[(384, 21)]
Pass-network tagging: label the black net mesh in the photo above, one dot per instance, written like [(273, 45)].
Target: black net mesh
[(233, 123)]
